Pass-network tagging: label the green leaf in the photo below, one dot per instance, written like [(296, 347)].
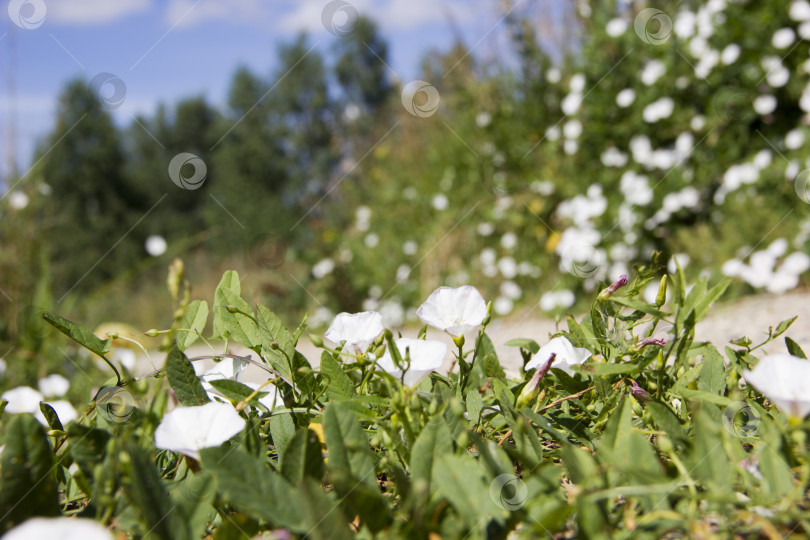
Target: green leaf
[(193, 497), (248, 484), (237, 318), (26, 473), (192, 324), (709, 462), (275, 338), (338, 385), (50, 416), (303, 457), (598, 368), (351, 465), (183, 379), (667, 421), (638, 305), (474, 403), (528, 344), (230, 282), (282, 430), (712, 377), (432, 443), (236, 391), (79, 334), (465, 485), (794, 348), (150, 498)]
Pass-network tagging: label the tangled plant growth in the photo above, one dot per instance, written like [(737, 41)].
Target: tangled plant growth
[(612, 430)]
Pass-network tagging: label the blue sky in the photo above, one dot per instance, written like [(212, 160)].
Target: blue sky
[(164, 50)]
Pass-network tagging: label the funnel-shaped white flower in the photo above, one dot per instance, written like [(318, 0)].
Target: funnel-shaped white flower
[(454, 311), (187, 430), (228, 368), (59, 527), (358, 330), (22, 399), (567, 355), (785, 380), (426, 356)]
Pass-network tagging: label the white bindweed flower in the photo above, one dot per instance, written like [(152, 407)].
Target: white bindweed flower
[(53, 385), (626, 97), (155, 245), (358, 330), (425, 355), (567, 355), (785, 380), (63, 528), (454, 311), (187, 430), (22, 399)]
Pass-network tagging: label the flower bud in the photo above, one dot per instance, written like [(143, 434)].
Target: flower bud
[(637, 347), (489, 315), (175, 279), (532, 388), (316, 340), (639, 393), (661, 298), (153, 332), (608, 291), (459, 340)]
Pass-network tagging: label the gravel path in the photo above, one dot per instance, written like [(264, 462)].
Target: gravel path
[(726, 321)]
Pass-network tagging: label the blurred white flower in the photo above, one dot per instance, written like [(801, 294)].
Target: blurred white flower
[(273, 398), (62, 528), (22, 399), (63, 409), (553, 75), (785, 381), (613, 157), (323, 268), (403, 271), (783, 38), (53, 385), (371, 240), (572, 129), (800, 10), (503, 305), (488, 256), (358, 330), (17, 200), (3, 366), (510, 289), (485, 229), (730, 54), (410, 247), (570, 147), (425, 356), (155, 245), (567, 355), (187, 430), (658, 110), (124, 356), (652, 71), (454, 311), (553, 133), (636, 188), (509, 240), (557, 299), (393, 314), (507, 267), (483, 119), (440, 201), (765, 104), (571, 104), (794, 139), (697, 122), (626, 97), (616, 27)]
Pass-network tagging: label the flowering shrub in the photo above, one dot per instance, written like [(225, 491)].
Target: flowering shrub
[(621, 423)]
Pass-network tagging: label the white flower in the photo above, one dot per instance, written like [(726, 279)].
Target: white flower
[(358, 330), (3, 366), (507, 267), (572, 129), (653, 70), (454, 311), (765, 104), (503, 305), (187, 430), (567, 355), (371, 240), (557, 299), (616, 27), (730, 54), (22, 399), (229, 368), (785, 380), (273, 398), (626, 97), (155, 245), (509, 240), (410, 247), (800, 10), (425, 355), (571, 103), (53, 385), (440, 201), (658, 110), (783, 38), (62, 528), (323, 268), (17, 200), (697, 122), (794, 139)]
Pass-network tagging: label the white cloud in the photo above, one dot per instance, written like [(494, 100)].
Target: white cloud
[(186, 13), (90, 12)]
